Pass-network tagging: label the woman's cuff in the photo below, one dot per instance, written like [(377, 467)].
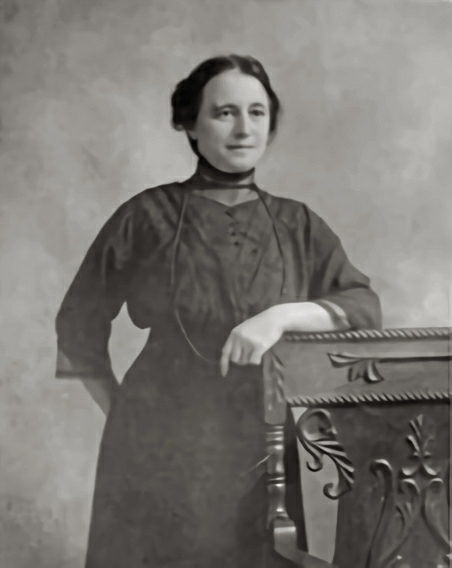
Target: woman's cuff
[(337, 314), (66, 369)]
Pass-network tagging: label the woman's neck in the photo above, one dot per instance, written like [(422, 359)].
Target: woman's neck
[(225, 187), (221, 179)]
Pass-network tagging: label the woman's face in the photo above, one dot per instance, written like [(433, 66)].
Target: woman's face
[(232, 127)]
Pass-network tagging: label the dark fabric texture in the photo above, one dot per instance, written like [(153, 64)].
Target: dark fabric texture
[(176, 484)]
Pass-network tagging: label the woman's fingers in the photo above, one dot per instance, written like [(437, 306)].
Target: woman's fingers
[(232, 352), (239, 352), (256, 357), (235, 350), (225, 355), (248, 342)]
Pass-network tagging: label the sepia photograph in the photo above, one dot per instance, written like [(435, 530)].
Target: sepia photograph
[(225, 286)]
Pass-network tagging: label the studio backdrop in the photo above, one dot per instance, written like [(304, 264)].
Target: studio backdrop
[(365, 141)]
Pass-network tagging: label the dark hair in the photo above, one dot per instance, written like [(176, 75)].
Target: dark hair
[(187, 97)]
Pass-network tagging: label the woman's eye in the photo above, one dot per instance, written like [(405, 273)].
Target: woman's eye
[(258, 113)]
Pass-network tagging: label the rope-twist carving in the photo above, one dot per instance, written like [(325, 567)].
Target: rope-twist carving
[(372, 334)]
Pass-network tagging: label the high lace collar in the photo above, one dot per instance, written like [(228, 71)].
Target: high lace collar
[(207, 176)]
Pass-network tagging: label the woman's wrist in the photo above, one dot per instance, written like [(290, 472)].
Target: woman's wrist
[(303, 317)]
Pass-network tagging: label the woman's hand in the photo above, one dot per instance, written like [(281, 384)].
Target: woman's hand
[(248, 342)]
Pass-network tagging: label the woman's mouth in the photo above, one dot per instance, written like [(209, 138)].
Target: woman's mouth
[(240, 147)]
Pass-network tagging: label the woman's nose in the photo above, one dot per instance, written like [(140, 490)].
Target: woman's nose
[(242, 126)]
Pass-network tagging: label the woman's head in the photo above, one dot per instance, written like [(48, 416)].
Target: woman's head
[(229, 111)]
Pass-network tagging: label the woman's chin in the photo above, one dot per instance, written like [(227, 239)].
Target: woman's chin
[(238, 165)]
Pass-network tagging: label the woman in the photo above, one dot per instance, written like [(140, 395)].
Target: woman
[(219, 269)]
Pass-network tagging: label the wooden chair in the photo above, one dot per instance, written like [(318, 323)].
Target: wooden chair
[(377, 403)]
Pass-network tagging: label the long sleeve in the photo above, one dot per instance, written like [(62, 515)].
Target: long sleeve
[(335, 281), (94, 299)]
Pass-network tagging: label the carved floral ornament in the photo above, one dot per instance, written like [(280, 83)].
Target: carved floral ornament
[(366, 367), (318, 436), (416, 491)]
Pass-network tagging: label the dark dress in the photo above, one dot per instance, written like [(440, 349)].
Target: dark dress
[(176, 484)]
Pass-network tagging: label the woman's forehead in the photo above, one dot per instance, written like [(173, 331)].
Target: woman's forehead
[(234, 87)]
